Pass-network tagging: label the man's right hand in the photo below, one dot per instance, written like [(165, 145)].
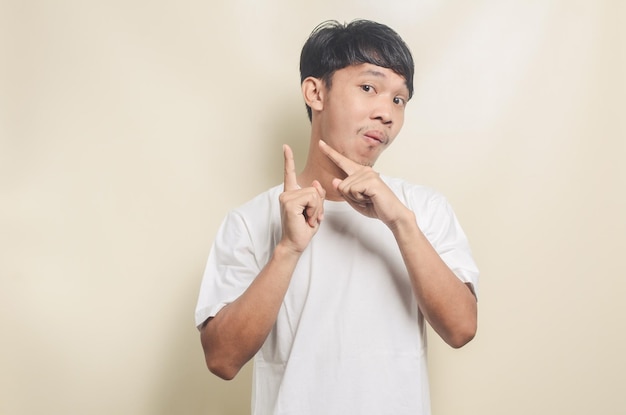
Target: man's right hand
[(301, 209), (238, 331)]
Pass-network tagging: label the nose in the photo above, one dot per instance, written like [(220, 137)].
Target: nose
[(383, 111)]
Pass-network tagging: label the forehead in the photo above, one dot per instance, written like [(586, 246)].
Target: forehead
[(368, 71)]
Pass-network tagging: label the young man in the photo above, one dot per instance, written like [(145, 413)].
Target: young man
[(327, 279)]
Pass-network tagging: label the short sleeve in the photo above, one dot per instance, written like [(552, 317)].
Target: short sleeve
[(230, 269), (449, 240)]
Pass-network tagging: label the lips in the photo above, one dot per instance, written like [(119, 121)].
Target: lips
[(376, 136)]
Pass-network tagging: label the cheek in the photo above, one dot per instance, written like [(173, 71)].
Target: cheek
[(346, 116), (341, 119), (400, 123), (399, 120)]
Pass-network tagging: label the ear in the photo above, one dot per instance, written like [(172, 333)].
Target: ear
[(313, 92)]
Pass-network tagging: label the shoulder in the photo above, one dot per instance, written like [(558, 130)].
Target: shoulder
[(262, 203), (414, 195), (430, 206), (252, 222), (257, 216)]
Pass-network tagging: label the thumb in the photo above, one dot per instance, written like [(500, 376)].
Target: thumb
[(336, 183)]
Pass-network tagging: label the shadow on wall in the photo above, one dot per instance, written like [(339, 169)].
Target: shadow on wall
[(187, 387), (293, 128)]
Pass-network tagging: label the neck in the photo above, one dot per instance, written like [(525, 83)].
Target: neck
[(319, 167)]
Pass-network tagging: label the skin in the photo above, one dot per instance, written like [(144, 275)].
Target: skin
[(353, 123)]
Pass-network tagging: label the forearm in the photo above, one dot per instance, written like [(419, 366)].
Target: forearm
[(238, 331), (446, 302)]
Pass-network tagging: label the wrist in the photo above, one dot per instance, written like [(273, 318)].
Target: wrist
[(404, 220), (286, 251)]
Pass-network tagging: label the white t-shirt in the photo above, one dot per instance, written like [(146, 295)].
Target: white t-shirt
[(349, 337)]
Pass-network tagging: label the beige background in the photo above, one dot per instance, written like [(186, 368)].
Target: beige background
[(129, 128)]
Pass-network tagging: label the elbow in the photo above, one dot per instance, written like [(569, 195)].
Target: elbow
[(218, 361), (222, 369), (461, 340), (465, 328), (463, 335), (221, 364)]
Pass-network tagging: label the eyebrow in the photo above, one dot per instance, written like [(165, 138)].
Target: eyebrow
[(373, 72)]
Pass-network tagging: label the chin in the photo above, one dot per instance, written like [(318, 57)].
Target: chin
[(365, 158), (366, 162)]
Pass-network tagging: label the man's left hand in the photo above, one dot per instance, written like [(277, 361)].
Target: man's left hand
[(364, 190)]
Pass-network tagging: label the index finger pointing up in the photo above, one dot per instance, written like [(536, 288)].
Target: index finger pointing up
[(291, 183), (339, 159)]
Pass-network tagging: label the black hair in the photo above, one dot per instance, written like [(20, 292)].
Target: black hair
[(333, 46)]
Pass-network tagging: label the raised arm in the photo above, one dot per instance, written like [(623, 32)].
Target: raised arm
[(447, 303), (237, 332)]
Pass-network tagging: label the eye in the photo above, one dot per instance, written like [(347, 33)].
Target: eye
[(367, 88), (399, 101)]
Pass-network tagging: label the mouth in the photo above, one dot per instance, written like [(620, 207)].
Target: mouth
[(376, 136)]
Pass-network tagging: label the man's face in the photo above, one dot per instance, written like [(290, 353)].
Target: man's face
[(363, 111)]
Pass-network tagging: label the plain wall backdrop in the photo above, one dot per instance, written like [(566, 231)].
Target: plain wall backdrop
[(129, 128)]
